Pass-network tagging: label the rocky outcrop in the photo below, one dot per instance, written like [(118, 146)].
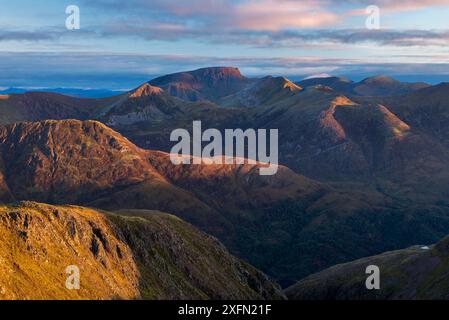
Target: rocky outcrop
[(157, 256)]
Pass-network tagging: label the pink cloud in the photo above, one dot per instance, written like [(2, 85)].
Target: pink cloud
[(399, 5), (281, 14), (411, 5), (272, 15), (259, 18), (278, 14)]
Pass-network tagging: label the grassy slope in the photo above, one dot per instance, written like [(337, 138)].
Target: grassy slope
[(413, 273), (156, 257)]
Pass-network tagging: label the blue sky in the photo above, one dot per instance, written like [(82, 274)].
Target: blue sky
[(123, 43)]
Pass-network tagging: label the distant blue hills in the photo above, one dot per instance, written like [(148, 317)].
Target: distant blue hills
[(74, 92)]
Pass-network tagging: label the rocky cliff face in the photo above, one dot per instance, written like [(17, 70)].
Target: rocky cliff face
[(119, 257)]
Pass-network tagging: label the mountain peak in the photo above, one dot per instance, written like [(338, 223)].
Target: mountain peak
[(287, 84), (146, 90), (210, 83), (278, 83), (219, 72), (57, 133), (379, 79), (90, 158)]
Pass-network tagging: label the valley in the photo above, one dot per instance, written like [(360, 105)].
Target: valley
[(363, 166)]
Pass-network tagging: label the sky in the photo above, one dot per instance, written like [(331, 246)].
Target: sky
[(121, 44)]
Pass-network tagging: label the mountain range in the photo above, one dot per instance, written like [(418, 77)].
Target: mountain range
[(364, 170), (74, 92), (373, 86)]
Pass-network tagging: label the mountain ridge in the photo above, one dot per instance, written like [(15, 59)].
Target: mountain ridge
[(379, 85), (354, 165), (119, 257), (275, 222), (203, 84), (415, 273)]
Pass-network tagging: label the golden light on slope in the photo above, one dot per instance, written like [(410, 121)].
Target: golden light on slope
[(398, 128), (146, 90)]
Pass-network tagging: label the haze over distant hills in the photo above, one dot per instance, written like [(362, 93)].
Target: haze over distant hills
[(194, 86), (364, 164), (74, 92)]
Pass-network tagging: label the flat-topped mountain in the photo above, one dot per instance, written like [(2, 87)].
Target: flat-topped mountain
[(203, 84)]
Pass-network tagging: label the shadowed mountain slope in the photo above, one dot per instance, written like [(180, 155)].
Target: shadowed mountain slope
[(35, 106), (339, 84), (385, 86), (418, 272), (265, 91), (327, 136), (142, 104), (427, 110), (203, 84), (373, 86)]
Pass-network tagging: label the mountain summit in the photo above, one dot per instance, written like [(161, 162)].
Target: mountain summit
[(203, 84), (146, 90)]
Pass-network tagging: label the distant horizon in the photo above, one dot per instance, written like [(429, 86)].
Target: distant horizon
[(122, 44), (132, 81)]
